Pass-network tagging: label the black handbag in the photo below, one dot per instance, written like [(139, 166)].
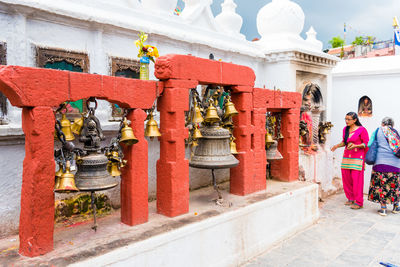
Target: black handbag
[(370, 157)]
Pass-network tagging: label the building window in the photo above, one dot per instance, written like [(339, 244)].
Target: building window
[(127, 68), (365, 107), (3, 98), (65, 60)]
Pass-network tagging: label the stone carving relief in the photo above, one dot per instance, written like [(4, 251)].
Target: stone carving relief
[(51, 55)]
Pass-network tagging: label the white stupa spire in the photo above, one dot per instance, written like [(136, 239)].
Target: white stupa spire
[(312, 39), (229, 21)]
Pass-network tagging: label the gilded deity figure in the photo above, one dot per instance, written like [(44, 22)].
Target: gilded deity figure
[(365, 107)]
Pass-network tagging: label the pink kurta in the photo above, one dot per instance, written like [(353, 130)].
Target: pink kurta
[(353, 165)]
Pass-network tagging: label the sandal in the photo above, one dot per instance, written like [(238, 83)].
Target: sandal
[(382, 211), (349, 202), (355, 206), (396, 209)]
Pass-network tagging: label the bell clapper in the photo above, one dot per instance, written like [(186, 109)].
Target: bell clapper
[(92, 195), (220, 200)]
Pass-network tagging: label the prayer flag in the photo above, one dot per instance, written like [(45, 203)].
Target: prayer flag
[(397, 41)]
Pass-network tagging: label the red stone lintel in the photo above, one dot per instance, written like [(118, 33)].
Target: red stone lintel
[(205, 71), (29, 87), (276, 99)]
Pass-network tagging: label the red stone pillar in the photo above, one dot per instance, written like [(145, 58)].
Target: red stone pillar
[(134, 182), (172, 167), (36, 223), (287, 169), (242, 176), (260, 157)]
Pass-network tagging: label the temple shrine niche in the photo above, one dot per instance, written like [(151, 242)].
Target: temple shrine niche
[(365, 107), (311, 112)]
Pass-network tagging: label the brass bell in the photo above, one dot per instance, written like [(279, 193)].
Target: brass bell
[(76, 127), (273, 152), (66, 128), (197, 118), (58, 175), (268, 139), (230, 109), (232, 146), (280, 136), (152, 128), (194, 143), (123, 163), (114, 170), (212, 114), (114, 157), (196, 133), (78, 159), (67, 182), (325, 131), (127, 136)]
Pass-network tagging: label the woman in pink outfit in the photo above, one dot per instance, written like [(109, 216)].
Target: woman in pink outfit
[(355, 140)]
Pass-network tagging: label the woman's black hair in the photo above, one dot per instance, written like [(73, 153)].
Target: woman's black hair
[(347, 132)]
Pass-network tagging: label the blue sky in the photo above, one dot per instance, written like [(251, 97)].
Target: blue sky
[(362, 17)]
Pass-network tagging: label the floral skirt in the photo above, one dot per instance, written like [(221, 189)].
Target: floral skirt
[(384, 187)]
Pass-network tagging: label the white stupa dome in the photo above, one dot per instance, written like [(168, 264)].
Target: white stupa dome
[(280, 17)]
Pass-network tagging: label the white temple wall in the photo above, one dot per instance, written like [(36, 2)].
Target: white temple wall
[(377, 78)]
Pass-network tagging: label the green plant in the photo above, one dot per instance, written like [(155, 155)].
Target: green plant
[(336, 42), (359, 40)]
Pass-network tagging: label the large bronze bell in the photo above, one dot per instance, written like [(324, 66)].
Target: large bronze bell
[(92, 174), (67, 182), (230, 109), (127, 136), (212, 114), (152, 128), (273, 152), (213, 151), (66, 128)]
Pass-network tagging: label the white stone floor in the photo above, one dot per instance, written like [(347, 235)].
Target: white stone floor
[(342, 237)]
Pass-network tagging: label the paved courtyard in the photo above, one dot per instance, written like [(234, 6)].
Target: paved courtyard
[(342, 237)]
